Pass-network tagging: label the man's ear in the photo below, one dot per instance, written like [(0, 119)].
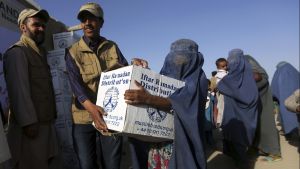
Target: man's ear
[(23, 27)]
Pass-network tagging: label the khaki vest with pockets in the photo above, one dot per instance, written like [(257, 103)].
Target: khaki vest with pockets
[(91, 65)]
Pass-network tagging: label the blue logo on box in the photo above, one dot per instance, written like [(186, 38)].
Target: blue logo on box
[(110, 101), (63, 43), (156, 115)]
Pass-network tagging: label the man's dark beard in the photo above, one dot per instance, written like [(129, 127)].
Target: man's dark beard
[(38, 37)]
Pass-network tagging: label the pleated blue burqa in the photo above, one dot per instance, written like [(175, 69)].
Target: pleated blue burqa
[(184, 62), (285, 81), (240, 100)]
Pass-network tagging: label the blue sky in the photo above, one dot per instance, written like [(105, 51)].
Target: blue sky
[(266, 29)]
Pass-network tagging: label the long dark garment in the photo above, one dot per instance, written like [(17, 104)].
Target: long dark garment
[(184, 62), (267, 137), (240, 107), (285, 81)]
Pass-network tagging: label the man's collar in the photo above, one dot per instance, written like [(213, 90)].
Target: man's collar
[(89, 41), (86, 42)]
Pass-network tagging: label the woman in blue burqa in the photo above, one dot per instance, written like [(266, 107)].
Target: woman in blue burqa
[(183, 62), (240, 108), (285, 81)]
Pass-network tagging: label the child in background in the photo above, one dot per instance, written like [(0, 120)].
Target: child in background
[(221, 64)]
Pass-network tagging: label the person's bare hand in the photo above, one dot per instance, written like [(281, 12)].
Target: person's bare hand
[(298, 109), (97, 114), (257, 76), (139, 62), (137, 96)]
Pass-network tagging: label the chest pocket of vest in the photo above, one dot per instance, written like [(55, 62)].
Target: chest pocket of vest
[(110, 58), (87, 68), (87, 64)]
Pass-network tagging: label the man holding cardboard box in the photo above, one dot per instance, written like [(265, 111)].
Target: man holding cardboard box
[(86, 59)]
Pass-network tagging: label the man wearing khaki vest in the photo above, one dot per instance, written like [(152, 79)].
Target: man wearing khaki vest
[(85, 61), (31, 135)]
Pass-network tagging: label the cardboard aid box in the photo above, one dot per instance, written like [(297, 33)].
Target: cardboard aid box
[(142, 122), (63, 106), (56, 59), (60, 81)]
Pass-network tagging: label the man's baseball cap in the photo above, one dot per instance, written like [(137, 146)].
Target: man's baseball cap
[(27, 13), (92, 8)]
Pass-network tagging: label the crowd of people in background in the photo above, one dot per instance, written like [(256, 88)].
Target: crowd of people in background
[(238, 102)]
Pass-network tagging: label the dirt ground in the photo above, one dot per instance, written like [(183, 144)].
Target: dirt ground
[(290, 158)]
